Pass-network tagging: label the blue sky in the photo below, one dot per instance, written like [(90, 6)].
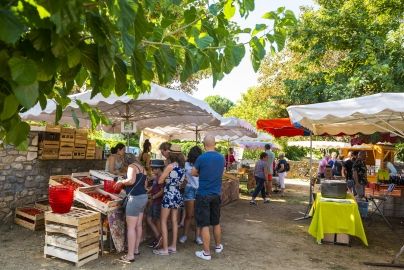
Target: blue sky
[(243, 76)]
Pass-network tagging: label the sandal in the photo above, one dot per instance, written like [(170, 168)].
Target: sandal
[(125, 259), (136, 253), (160, 252), (172, 251)]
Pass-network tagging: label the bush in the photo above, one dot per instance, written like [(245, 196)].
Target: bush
[(295, 152), (400, 151)]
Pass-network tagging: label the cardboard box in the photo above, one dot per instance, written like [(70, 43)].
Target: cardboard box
[(336, 238)]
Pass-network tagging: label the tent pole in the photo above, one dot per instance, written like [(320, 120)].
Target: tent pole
[(311, 185)]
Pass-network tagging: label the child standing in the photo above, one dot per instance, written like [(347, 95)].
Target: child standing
[(156, 196)]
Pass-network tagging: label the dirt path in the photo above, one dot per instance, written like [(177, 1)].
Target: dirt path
[(262, 237)]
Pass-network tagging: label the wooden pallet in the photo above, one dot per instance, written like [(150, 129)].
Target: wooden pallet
[(67, 137), (82, 196), (66, 146), (49, 155), (67, 130), (73, 236), (31, 222), (49, 144)]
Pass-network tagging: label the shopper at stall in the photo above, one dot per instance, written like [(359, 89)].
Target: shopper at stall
[(333, 159), (261, 177), (348, 173), (338, 165), (209, 167), (271, 159), (360, 174), (116, 161), (155, 195), (190, 194), (145, 156), (173, 176), (137, 200), (282, 168), (322, 166), (165, 149), (229, 158)]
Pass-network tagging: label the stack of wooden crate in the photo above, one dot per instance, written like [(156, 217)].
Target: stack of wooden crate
[(66, 143), (90, 154), (49, 144), (80, 144), (73, 236), (30, 218)]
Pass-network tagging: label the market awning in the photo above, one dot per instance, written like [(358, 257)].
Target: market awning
[(383, 112), (319, 144), (158, 108), (280, 127)]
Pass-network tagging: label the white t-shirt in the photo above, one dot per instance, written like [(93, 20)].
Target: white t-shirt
[(193, 181)]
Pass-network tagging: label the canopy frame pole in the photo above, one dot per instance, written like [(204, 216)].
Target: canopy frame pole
[(306, 214), (400, 132)]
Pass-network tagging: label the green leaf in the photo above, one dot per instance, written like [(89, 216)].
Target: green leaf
[(18, 133), (10, 107), (238, 52), (47, 67), (229, 10), (75, 119), (59, 113), (280, 10), (214, 9), (43, 13), (270, 15), (280, 38), (121, 83), (42, 100), (10, 27), (27, 95), (190, 15), (81, 77), (73, 57), (204, 40), (23, 71), (188, 68), (89, 57), (258, 28)]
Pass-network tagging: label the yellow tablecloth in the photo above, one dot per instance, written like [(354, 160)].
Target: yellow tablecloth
[(336, 217)]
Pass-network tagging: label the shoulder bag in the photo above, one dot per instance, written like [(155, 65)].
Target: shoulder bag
[(125, 200)]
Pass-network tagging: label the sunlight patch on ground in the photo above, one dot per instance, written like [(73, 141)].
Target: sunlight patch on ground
[(253, 221)]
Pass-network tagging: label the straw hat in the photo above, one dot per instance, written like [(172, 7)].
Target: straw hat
[(175, 148)]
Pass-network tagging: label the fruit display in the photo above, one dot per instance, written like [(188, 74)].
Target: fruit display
[(68, 182), (100, 197), (31, 211), (85, 179), (103, 175)]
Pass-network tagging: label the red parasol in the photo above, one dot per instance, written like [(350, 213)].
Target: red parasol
[(279, 127)]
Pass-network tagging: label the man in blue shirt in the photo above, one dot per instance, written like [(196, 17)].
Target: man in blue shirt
[(209, 167)]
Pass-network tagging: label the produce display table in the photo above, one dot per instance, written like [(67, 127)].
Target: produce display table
[(337, 216)]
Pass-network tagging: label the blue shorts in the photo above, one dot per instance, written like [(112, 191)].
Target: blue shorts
[(189, 193)]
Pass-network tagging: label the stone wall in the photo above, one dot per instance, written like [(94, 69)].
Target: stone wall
[(24, 178)]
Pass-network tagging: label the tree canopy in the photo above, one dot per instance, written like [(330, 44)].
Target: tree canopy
[(343, 49), (220, 104), (49, 48)]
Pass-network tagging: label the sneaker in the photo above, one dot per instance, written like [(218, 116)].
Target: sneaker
[(158, 243), (152, 244), (266, 201), (201, 254), (253, 203), (199, 241), (183, 239), (219, 248)]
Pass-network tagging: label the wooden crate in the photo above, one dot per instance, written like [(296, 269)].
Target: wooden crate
[(31, 222), (81, 177), (91, 143), (79, 154), (83, 197), (65, 155), (43, 205), (66, 146), (67, 137), (48, 144), (52, 128), (55, 180), (48, 154), (73, 236), (90, 155)]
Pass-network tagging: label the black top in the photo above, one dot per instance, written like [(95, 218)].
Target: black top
[(348, 164), (337, 168)]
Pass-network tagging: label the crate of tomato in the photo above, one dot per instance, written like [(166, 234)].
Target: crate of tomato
[(96, 198), (66, 180), (84, 177), (30, 218)]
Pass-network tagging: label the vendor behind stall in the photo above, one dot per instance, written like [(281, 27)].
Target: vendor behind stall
[(116, 161)]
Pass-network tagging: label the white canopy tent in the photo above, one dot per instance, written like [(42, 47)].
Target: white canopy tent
[(158, 108), (319, 144), (230, 128), (383, 112), (255, 143)]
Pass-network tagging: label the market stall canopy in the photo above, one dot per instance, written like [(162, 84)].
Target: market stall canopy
[(230, 128), (383, 112), (280, 127), (255, 143), (319, 144), (158, 108)]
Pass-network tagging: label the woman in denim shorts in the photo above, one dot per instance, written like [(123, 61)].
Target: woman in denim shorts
[(190, 194)]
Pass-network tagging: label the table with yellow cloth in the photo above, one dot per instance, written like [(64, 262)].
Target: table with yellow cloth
[(336, 217)]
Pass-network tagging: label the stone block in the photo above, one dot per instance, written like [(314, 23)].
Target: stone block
[(56, 170), (23, 193), (20, 180), (20, 158), (39, 178), (8, 159), (34, 140), (31, 192), (28, 168), (31, 184), (2, 178), (11, 178), (9, 198), (32, 148), (22, 152), (17, 166), (3, 205), (19, 174), (12, 152), (3, 153), (7, 186), (32, 155)]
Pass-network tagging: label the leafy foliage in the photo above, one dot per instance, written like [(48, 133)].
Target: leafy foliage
[(219, 104), (50, 48), (400, 151)]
